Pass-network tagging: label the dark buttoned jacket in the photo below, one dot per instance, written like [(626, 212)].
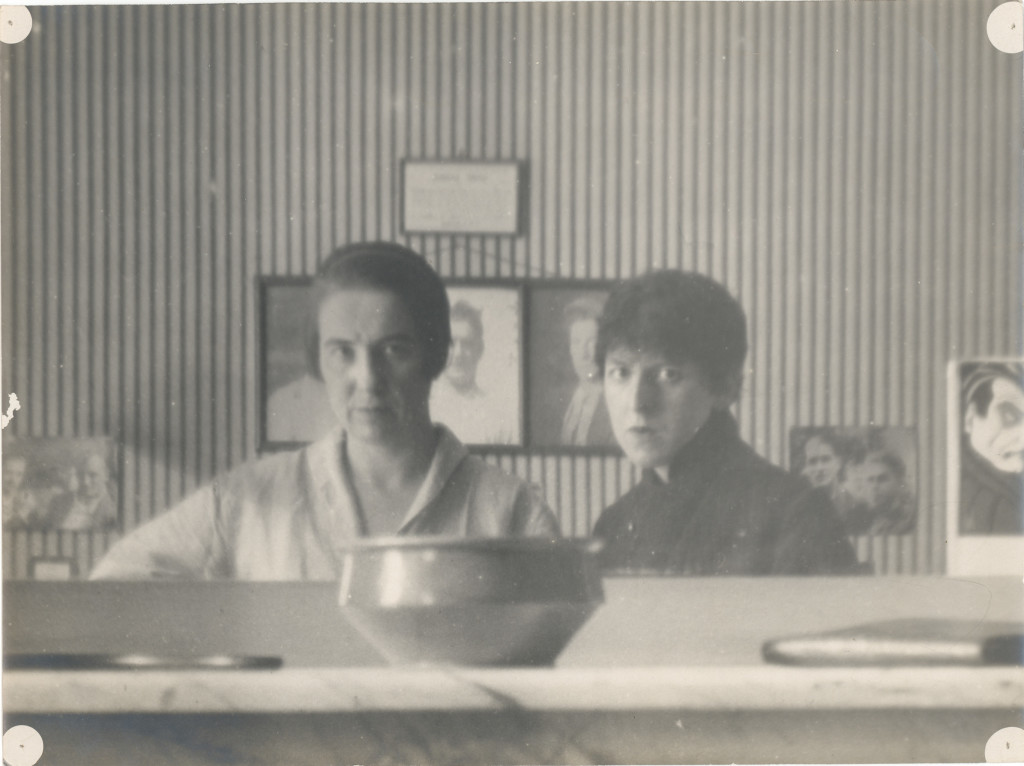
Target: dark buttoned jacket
[(724, 511)]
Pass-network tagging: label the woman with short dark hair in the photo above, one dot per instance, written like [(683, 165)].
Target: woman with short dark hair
[(671, 347)]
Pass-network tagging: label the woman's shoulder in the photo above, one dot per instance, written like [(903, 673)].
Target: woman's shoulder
[(745, 468), (274, 473), (489, 476)]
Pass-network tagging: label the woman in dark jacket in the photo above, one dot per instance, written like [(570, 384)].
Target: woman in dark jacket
[(671, 347)]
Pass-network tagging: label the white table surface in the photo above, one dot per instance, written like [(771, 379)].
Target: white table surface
[(690, 644)]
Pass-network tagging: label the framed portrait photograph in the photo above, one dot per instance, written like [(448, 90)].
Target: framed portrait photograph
[(61, 484), (565, 399), (479, 395), (985, 478), (870, 472), (294, 404)]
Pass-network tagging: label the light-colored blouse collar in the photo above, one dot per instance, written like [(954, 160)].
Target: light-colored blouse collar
[(336, 493)]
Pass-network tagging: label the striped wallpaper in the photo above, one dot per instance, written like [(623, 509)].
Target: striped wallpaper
[(850, 170)]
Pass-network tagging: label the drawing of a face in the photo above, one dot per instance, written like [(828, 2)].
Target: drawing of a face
[(998, 435)]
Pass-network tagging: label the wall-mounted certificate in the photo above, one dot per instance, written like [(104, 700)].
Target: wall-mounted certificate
[(462, 197)]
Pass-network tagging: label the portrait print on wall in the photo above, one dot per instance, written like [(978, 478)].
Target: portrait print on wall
[(479, 393), (294, 404), (985, 520), (991, 448), (60, 484), (565, 392), (869, 472)]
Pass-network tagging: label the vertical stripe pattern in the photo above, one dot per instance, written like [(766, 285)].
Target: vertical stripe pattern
[(851, 171)]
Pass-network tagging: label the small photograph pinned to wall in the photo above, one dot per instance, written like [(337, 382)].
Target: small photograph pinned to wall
[(60, 484), (565, 391), (985, 521), (479, 393), (870, 472)]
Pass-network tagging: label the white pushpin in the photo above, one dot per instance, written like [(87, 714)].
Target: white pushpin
[(15, 23), (1006, 27)]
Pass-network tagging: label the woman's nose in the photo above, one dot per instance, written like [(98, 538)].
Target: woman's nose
[(644, 394), (366, 372)]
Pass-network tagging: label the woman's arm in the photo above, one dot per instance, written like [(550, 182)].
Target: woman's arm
[(182, 543)]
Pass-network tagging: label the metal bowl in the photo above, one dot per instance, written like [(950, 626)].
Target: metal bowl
[(491, 601)]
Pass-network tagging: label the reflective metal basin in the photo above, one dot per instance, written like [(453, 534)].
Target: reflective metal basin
[(494, 601)]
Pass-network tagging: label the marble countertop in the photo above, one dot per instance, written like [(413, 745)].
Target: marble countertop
[(552, 689), (654, 645)]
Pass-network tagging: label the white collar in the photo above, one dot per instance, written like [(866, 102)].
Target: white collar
[(335, 491)]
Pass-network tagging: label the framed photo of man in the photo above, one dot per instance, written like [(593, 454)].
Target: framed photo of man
[(479, 395), (870, 472), (60, 484), (565, 398), (293, 401), (985, 519)]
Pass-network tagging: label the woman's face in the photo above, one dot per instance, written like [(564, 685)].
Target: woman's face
[(372, 362), (582, 343), (821, 465), (656, 405)]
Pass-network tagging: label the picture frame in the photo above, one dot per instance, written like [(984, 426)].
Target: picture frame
[(61, 484), (479, 395), (985, 483), (870, 473), (566, 411), (464, 196), (293, 406)]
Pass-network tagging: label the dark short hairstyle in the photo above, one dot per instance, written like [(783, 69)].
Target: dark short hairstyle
[(464, 312), (979, 377), (391, 268), (684, 315)]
